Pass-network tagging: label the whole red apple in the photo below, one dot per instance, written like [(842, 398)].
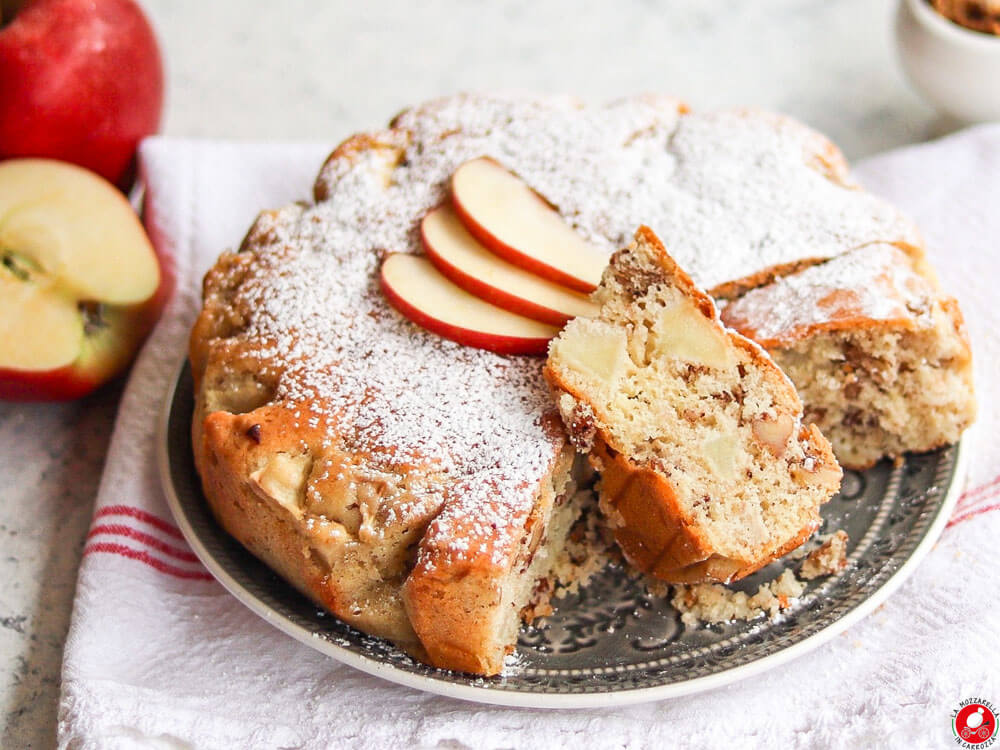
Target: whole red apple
[(80, 81)]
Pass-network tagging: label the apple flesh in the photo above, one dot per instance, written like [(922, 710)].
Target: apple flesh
[(513, 221), (415, 288), (80, 283), (466, 263), (80, 81)]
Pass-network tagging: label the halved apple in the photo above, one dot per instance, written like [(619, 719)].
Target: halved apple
[(415, 288), (516, 223), (80, 283), (465, 262)]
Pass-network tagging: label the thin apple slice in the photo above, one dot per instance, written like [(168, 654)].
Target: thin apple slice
[(465, 262), (516, 223), (66, 224), (415, 288)]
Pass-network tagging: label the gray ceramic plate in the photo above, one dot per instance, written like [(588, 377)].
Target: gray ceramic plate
[(612, 643)]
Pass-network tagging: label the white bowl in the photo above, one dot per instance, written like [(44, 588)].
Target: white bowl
[(955, 68)]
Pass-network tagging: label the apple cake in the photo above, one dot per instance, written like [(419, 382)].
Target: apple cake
[(707, 470), (879, 356), (417, 489)]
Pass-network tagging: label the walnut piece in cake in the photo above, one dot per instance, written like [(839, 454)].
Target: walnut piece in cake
[(707, 471)]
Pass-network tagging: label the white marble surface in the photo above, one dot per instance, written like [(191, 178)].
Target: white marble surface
[(299, 70)]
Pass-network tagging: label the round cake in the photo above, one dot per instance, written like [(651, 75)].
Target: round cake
[(418, 489)]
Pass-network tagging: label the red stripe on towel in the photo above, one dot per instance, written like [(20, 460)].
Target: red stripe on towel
[(972, 495), (142, 556), (144, 538), (972, 514), (141, 515)]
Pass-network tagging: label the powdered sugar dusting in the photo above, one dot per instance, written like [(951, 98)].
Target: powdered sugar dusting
[(742, 199), (729, 193), (875, 282)]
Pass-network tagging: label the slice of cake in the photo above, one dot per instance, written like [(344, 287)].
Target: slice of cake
[(708, 472), (879, 357)]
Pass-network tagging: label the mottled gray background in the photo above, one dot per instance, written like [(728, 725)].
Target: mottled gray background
[(298, 70)]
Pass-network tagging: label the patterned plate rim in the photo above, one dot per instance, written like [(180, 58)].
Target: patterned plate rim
[(527, 698)]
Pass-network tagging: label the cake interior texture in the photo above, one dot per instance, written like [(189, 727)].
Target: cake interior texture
[(880, 358), (707, 470)]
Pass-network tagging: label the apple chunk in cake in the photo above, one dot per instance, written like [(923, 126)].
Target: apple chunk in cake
[(708, 472), (879, 357)]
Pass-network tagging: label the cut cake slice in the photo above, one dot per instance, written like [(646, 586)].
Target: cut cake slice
[(708, 472)]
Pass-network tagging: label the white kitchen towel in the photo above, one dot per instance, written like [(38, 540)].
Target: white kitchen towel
[(160, 655)]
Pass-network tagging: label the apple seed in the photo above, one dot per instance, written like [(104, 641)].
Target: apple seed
[(20, 267), (93, 317)]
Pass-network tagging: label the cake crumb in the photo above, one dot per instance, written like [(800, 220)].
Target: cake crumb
[(829, 558), (589, 549), (713, 602)]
